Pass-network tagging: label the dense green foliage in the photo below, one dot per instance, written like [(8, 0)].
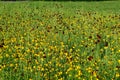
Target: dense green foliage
[(57, 0), (60, 40)]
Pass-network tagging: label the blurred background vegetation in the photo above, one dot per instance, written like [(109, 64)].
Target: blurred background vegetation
[(58, 0)]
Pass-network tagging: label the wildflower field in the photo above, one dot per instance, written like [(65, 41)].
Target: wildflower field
[(60, 40)]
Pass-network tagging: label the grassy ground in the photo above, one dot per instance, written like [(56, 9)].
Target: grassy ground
[(60, 40)]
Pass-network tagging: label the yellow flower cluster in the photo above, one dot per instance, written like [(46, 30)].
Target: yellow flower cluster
[(49, 45)]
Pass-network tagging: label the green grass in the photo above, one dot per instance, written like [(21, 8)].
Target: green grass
[(60, 40)]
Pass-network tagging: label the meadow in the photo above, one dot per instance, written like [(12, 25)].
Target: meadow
[(60, 40)]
